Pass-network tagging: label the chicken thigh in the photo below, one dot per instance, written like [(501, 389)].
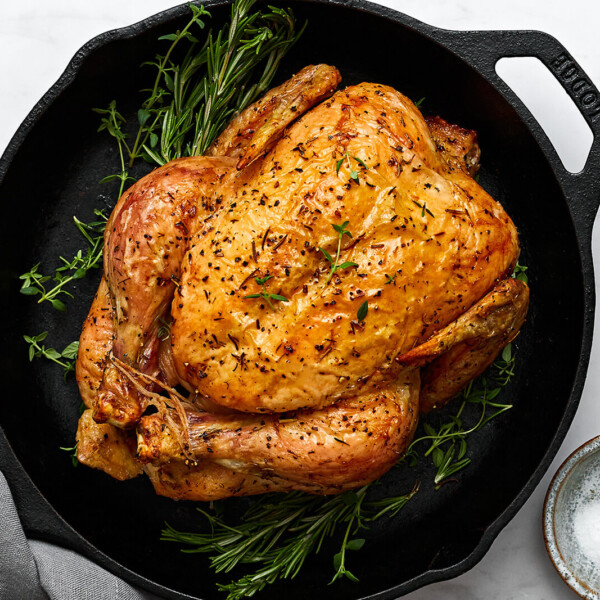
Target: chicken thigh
[(329, 268)]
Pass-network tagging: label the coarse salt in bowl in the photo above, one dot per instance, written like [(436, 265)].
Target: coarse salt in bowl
[(572, 520)]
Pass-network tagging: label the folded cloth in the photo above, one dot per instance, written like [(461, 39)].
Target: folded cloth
[(34, 570)]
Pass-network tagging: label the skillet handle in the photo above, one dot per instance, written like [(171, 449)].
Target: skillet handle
[(483, 49)]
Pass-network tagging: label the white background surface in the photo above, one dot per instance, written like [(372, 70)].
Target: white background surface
[(39, 37)]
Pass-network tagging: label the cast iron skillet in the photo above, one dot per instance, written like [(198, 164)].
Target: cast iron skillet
[(50, 172)]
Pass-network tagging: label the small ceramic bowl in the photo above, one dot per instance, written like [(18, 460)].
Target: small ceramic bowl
[(572, 520)]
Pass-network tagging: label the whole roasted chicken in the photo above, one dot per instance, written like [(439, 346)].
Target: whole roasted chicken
[(275, 315)]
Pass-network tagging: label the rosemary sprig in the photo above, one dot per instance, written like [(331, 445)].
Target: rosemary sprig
[(266, 295), (231, 58), (279, 532), (335, 266), (192, 101)]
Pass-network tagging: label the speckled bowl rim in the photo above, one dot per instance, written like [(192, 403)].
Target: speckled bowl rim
[(554, 490)]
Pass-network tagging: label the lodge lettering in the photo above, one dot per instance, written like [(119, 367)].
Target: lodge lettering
[(583, 90)]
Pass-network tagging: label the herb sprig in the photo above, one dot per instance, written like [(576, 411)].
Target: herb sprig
[(279, 532), (193, 100), (335, 266), (65, 359), (520, 273), (266, 295), (72, 453), (35, 284), (353, 173), (448, 442)]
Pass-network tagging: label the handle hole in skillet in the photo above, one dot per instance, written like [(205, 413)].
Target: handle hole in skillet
[(554, 110)]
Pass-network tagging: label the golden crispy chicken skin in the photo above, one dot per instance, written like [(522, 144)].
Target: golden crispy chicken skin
[(329, 270), (339, 447), (427, 242)]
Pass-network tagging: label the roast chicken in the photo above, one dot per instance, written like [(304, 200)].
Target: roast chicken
[(275, 315)]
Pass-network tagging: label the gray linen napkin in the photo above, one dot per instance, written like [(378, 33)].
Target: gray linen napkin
[(33, 570)]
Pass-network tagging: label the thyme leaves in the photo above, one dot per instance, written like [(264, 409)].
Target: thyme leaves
[(334, 263), (447, 443), (520, 273), (363, 309), (266, 295), (65, 359), (35, 283), (72, 453)]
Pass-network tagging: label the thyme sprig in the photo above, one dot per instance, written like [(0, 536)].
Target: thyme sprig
[(72, 453), (65, 359), (353, 173), (448, 442), (335, 266), (520, 272), (279, 532), (35, 283), (266, 295)]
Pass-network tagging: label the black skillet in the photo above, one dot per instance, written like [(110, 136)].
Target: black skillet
[(50, 172)]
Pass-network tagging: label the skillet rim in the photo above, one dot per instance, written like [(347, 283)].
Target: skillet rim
[(450, 41)]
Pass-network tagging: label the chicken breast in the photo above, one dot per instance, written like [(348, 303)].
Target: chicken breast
[(426, 242)]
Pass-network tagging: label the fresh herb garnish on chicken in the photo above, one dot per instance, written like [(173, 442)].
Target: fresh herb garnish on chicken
[(266, 295), (423, 208), (335, 266), (363, 309), (353, 173)]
